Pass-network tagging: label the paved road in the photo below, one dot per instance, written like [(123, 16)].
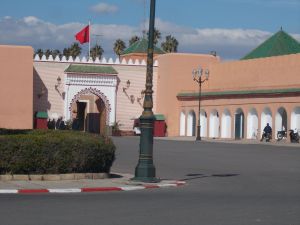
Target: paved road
[(227, 184)]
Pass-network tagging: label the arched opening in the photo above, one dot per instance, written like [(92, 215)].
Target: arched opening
[(239, 124), (214, 124), (266, 117), (203, 123), (191, 123), (226, 124), (89, 114), (182, 124), (280, 120), (295, 119), (252, 124)]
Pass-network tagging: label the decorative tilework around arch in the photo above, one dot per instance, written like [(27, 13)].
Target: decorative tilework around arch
[(96, 92)]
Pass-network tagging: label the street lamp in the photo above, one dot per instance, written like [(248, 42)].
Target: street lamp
[(197, 76), (145, 170)]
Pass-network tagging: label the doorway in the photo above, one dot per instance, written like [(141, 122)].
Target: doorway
[(81, 115), (239, 124)]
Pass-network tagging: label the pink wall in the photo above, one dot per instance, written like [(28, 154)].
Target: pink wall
[(175, 76), (16, 92), (263, 73)]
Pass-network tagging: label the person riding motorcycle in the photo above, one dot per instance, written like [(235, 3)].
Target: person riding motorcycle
[(267, 133)]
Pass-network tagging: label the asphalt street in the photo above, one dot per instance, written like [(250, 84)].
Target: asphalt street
[(227, 184)]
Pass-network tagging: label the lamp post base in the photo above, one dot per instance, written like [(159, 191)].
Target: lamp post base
[(145, 173), (145, 170)]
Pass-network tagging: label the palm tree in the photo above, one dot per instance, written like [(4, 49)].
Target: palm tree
[(66, 52), (170, 45), (157, 36), (133, 40), (96, 51), (119, 47), (48, 52), (74, 50), (39, 52), (55, 53)]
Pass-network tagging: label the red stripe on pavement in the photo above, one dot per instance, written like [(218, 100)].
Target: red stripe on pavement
[(28, 191), (101, 189)]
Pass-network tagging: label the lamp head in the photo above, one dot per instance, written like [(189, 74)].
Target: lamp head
[(58, 80), (197, 73), (128, 84)]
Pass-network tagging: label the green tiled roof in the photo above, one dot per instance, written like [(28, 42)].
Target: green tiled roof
[(279, 44), (90, 69), (141, 46), (247, 92)]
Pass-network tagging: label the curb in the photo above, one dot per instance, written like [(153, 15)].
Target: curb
[(91, 189)]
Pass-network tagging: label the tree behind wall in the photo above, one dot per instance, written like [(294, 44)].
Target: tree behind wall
[(39, 52), (73, 51), (96, 51), (157, 36), (119, 47), (170, 44), (133, 39)]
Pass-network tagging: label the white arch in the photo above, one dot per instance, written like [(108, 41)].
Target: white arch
[(182, 124), (252, 124), (214, 124), (280, 120), (203, 123), (191, 123), (295, 118), (266, 117), (226, 124)]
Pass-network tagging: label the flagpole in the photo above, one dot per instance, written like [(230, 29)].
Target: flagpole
[(89, 40)]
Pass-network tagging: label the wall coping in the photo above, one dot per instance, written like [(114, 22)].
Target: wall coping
[(84, 60)]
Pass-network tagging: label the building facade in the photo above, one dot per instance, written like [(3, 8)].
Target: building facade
[(239, 98), (237, 101), (102, 92)]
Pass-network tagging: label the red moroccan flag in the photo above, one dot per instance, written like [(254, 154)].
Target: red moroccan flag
[(83, 36)]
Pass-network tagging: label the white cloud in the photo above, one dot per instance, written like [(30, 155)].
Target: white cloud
[(229, 43), (104, 8)]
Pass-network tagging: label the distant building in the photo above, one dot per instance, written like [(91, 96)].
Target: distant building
[(239, 98)]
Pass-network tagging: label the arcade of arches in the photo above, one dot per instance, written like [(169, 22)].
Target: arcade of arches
[(240, 122)]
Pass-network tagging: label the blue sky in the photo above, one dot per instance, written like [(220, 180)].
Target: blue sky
[(230, 27)]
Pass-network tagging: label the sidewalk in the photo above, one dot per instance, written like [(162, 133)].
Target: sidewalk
[(232, 141), (118, 182)]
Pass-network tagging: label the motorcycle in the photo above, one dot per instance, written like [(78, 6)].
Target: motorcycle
[(280, 135), (266, 136), (294, 136)]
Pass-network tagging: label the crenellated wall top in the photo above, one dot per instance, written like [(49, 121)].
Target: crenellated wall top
[(109, 61)]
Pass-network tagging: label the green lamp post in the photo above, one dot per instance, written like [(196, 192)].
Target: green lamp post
[(145, 170)]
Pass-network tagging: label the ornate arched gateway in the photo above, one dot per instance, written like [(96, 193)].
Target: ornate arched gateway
[(90, 107), (90, 98)]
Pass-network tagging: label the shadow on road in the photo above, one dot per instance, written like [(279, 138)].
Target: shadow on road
[(193, 176)]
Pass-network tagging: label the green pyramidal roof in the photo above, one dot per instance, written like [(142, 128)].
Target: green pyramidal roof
[(90, 69), (279, 44), (141, 46)]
